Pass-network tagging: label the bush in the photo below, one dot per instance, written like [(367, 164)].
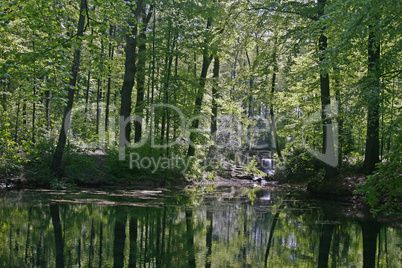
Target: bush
[(298, 165), (252, 169), (352, 163), (11, 158), (120, 171), (383, 189)]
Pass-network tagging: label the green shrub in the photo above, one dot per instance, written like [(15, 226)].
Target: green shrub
[(352, 163), (251, 168), (298, 165), (11, 157), (383, 189), (121, 171)]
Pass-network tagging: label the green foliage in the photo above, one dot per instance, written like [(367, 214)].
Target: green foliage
[(38, 167), (352, 163), (143, 164), (37, 44), (61, 184), (82, 169), (252, 193), (10, 159), (383, 189), (251, 168), (298, 165)]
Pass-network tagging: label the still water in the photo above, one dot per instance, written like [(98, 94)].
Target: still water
[(203, 226)]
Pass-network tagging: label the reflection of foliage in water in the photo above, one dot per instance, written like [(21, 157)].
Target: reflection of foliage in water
[(166, 226)]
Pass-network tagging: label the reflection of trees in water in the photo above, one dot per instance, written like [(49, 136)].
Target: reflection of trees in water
[(54, 212), (225, 232)]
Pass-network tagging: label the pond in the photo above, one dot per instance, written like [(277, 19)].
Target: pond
[(198, 226)]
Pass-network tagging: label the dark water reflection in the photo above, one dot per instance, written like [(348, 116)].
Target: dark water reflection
[(195, 227)]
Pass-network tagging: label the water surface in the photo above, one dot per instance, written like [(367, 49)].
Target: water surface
[(203, 226)]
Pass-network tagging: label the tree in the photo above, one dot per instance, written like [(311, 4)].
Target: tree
[(141, 71), (373, 108), (129, 73), (58, 155), (206, 60), (330, 171)]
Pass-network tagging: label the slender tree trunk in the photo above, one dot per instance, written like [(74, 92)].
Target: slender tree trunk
[(109, 78), (87, 92), (58, 155), (88, 84), (47, 108), (373, 115), (214, 126), (271, 111), (142, 57), (330, 171), (391, 119), (200, 94), (273, 122), (24, 112), (341, 142), (98, 100), (151, 126), (33, 103), (17, 122), (167, 77), (129, 75)]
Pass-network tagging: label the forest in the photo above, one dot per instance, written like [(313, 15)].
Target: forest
[(99, 92)]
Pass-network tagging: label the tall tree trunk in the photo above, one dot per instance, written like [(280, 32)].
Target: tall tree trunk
[(129, 75), (58, 155), (167, 78), (24, 112), (142, 57), (214, 126), (48, 94), (330, 171), (109, 79), (87, 92), (33, 103), (373, 114), (151, 125), (98, 100), (206, 60), (17, 122), (341, 142), (271, 108), (272, 115)]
